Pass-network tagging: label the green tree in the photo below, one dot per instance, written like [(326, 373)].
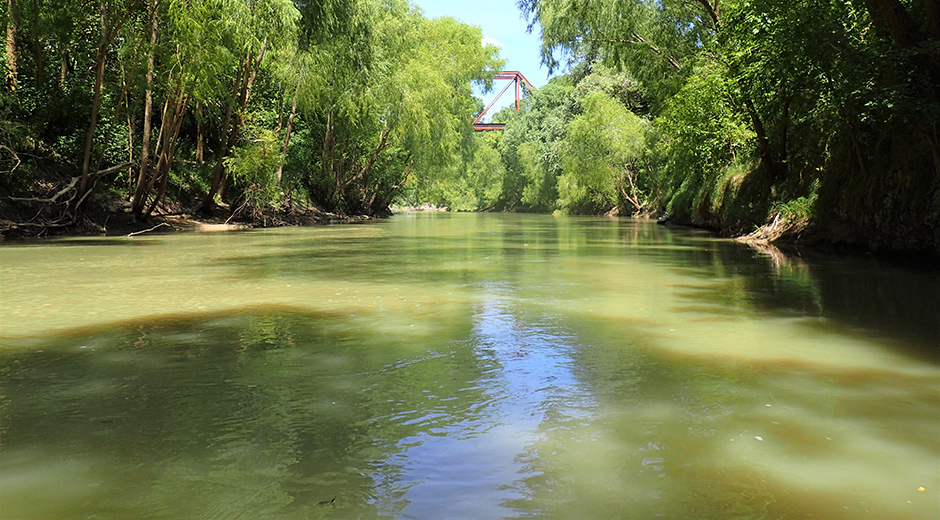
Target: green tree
[(531, 147), (397, 104), (602, 156), (812, 97)]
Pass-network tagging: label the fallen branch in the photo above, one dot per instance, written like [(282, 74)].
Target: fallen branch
[(148, 230), (44, 226), (237, 211)]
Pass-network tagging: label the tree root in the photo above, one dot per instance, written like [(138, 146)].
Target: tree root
[(68, 197)]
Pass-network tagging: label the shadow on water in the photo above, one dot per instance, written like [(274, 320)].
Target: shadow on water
[(866, 295), (81, 242), (686, 437), (221, 416)]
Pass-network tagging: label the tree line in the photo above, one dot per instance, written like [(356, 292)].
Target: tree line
[(240, 104), (816, 116)]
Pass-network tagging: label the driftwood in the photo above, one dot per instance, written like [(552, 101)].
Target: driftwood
[(160, 225), (52, 200)]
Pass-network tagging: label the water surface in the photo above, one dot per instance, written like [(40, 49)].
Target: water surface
[(464, 366)]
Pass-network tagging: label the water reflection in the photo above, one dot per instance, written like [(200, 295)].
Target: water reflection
[(467, 366)]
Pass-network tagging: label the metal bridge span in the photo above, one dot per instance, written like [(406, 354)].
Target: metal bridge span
[(515, 78)]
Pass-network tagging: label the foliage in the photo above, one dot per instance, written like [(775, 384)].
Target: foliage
[(701, 136), (579, 146), (602, 158), (336, 102), (531, 148), (719, 112), (757, 104)]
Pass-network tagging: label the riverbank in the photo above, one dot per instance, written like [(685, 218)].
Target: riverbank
[(111, 216)]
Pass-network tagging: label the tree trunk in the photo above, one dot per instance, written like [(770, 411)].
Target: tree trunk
[(64, 62), (121, 104), (784, 129), (200, 134), (763, 145), (37, 45), (168, 150), (169, 109), (290, 126), (325, 156), (140, 194), (343, 185), (252, 65), (130, 151), (11, 44), (107, 36), (227, 139), (90, 134), (713, 12)]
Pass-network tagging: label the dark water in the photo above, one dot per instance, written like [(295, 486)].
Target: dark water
[(465, 366)]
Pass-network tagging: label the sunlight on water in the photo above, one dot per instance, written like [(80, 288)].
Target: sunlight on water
[(464, 366)]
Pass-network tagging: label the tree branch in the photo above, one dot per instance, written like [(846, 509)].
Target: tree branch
[(383, 143), (51, 200), (712, 12), (639, 40), (15, 157)]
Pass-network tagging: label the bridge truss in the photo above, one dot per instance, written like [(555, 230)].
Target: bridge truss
[(515, 78)]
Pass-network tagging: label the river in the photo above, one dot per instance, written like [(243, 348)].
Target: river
[(467, 366)]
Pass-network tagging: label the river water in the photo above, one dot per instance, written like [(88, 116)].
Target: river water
[(470, 366)]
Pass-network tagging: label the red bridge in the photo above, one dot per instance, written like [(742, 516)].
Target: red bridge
[(515, 78)]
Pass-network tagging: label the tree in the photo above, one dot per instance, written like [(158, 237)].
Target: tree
[(531, 147), (397, 97), (263, 24), (112, 19), (602, 156), (807, 98)]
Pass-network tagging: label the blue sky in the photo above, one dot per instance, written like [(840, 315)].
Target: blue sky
[(501, 21)]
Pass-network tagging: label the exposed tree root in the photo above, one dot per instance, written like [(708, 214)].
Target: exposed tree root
[(776, 229)]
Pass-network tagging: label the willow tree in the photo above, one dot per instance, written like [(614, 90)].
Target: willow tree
[(112, 17), (255, 26), (396, 97), (602, 156)]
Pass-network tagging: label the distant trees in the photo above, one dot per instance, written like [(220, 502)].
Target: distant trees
[(577, 146)]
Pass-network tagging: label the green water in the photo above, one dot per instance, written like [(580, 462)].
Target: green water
[(441, 366)]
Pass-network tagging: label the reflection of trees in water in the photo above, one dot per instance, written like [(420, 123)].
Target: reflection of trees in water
[(868, 294)]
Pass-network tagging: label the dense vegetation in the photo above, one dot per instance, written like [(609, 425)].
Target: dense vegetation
[(815, 116), (229, 106)]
